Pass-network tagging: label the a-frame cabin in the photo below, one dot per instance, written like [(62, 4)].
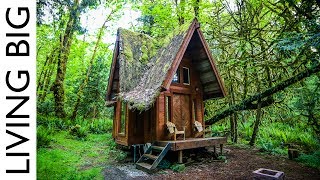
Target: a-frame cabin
[(157, 88)]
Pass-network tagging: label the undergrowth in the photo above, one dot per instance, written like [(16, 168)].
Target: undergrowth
[(77, 149), (273, 138)]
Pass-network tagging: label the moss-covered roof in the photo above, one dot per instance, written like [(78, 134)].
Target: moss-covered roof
[(144, 63)]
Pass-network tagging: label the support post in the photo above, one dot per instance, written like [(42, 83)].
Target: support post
[(134, 153), (221, 148), (180, 157)]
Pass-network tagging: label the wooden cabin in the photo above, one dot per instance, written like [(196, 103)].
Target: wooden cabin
[(157, 88)]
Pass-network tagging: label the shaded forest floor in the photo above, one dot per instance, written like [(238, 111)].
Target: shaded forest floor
[(239, 164)]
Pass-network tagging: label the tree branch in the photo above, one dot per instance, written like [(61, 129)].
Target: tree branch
[(247, 103)]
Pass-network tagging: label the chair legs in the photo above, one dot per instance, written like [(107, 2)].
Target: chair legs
[(179, 132)]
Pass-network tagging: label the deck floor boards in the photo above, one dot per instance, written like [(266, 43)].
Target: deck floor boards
[(191, 143)]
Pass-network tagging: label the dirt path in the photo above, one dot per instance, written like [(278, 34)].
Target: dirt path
[(240, 164)]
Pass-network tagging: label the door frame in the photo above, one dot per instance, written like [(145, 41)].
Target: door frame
[(190, 123)]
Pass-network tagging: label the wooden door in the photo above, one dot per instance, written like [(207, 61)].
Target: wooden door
[(182, 112)]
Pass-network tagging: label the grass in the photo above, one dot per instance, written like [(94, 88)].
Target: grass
[(70, 158)]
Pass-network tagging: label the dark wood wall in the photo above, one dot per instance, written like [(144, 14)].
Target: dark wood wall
[(150, 125), (183, 96)]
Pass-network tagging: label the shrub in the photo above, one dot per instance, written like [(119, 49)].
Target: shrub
[(178, 167), (121, 155), (100, 126), (52, 123), (44, 137), (312, 160), (78, 131)]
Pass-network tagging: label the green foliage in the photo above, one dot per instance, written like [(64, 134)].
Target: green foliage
[(53, 123), (273, 136), (78, 131), (93, 101), (95, 126), (120, 155), (70, 158), (44, 137), (178, 167), (99, 126), (312, 160)]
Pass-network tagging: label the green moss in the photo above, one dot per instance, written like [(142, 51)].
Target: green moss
[(145, 64), (166, 67)]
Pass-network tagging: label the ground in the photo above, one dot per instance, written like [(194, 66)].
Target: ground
[(239, 164)]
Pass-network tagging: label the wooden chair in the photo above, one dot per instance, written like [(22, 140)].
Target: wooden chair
[(173, 130), (200, 128)]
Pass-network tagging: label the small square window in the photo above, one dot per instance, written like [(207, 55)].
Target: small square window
[(176, 77), (186, 76)]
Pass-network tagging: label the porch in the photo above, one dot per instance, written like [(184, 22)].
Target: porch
[(192, 143), (156, 152)]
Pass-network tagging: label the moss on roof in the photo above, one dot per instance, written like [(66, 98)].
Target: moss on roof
[(144, 63)]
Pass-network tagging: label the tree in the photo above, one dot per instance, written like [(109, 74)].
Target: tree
[(109, 17), (74, 9)]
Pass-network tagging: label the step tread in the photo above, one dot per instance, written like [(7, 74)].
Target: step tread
[(158, 148), (151, 156), (144, 165)]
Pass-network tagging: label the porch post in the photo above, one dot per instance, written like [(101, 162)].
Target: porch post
[(221, 148), (180, 157)]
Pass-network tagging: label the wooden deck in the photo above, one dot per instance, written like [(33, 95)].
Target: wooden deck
[(191, 143)]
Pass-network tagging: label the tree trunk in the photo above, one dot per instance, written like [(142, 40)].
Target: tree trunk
[(85, 82), (256, 124), (243, 105), (196, 8), (45, 76), (233, 116), (180, 10), (58, 85)]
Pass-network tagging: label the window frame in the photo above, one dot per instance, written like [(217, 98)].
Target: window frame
[(120, 132), (183, 78), (178, 72)]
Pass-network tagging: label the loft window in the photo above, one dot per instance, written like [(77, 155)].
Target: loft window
[(122, 127), (176, 77), (186, 76), (168, 108)]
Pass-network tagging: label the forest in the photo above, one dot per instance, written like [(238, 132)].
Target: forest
[(267, 53)]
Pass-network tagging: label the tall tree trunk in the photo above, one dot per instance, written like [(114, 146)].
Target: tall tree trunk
[(196, 8), (256, 124), (233, 116), (45, 76), (180, 7), (58, 85), (85, 82)]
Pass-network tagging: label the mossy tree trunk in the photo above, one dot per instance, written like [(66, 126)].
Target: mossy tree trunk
[(64, 50), (45, 76), (256, 124), (86, 79), (180, 8), (248, 103), (196, 8)]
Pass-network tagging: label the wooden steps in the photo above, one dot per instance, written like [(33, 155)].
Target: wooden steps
[(143, 166), (159, 148), (152, 157)]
